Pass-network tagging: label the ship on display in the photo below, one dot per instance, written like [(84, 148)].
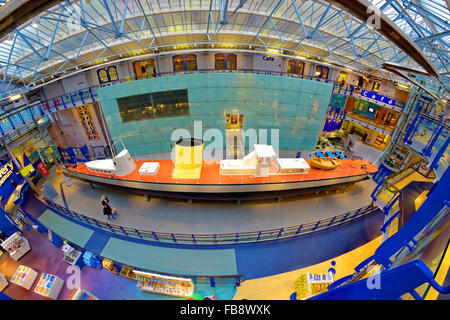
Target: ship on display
[(258, 175)]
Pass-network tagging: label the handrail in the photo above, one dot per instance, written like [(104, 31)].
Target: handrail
[(89, 95), (213, 239)]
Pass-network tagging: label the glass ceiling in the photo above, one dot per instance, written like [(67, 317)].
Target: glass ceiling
[(78, 34)]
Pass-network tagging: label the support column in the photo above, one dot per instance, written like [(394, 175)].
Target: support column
[(47, 144), (17, 163)]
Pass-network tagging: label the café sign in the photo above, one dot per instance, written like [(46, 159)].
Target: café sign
[(378, 97)]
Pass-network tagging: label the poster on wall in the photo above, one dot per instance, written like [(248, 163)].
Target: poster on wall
[(43, 169), (87, 123)]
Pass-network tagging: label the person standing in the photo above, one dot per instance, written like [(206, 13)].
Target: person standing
[(107, 210)]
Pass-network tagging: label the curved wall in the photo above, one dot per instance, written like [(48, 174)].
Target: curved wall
[(297, 107)]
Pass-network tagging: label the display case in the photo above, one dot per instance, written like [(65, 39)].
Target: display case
[(72, 256), (3, 282), (49, 286), (127, 272), (16, 245), (80, 294), (110, 266), (91, 260), (24, 277), (172, 286), (308, 284)]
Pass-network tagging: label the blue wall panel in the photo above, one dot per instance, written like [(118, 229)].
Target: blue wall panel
[(297, 107)]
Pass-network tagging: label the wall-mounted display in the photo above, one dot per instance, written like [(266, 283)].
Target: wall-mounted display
[(107, 75), (87, 122)]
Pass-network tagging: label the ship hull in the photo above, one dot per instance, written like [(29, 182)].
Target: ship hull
[(266, 190)]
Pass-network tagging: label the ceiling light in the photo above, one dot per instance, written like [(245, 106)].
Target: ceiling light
[(273, 50), (15, 97), (35, 24)]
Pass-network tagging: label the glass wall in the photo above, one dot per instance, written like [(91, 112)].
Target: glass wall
[(294, 108), (154, 105)]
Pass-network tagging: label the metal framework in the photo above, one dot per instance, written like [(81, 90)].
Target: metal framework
[(80, 33)]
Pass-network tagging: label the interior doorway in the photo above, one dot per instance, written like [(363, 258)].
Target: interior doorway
[(235, 144)]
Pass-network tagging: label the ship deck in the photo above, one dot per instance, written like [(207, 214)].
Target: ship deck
[(210, 174)]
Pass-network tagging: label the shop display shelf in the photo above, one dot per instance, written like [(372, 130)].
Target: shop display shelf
[(16, 245), (24, 277), (171, 286), (49, 286), (3, 282)]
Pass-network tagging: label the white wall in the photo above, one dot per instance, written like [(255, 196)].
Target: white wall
[(164, 64), (75, 83), (74, 132), (53, 90), (267, 62)]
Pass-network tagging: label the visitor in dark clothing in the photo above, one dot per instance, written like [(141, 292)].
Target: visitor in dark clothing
[(107, 211)]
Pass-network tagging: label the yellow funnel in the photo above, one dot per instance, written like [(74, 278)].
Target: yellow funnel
[(188, 159)]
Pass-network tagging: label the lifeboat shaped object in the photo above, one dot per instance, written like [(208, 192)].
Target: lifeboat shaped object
[(325, 163)]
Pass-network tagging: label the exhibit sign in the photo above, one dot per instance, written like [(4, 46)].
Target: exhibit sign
[(267, 63), (5, 172)]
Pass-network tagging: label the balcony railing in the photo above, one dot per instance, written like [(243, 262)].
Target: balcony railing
[(212, 239)]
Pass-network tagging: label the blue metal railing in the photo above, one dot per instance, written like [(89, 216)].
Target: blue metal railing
[(211, 239)]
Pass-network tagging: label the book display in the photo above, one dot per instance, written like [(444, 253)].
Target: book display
[(72, 256), (16, 245), (24, 277), (172, 286), (80, 294), (49, 286), (308, 284), (3, 282)]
